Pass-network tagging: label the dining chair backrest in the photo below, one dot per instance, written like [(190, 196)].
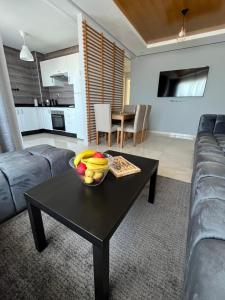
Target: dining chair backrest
[(130, 108), (148, 109), (103, 117), (139, 118)]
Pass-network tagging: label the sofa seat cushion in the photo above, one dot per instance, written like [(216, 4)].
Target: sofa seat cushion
[(58, 159), (24, 173), (10, 156), (207, 221), (205, 279), (7, 207)]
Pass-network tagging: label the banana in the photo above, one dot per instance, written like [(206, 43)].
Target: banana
[(83, 154), (95, 167), (96, 161)]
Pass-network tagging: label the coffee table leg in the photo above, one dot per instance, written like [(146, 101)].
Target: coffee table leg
[(37, 227), (151, 195), (101, 271)]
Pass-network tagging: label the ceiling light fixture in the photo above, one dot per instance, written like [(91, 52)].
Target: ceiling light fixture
[(182, 33), (25, 53)]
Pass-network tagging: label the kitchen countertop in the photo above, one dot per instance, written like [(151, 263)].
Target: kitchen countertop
[(59, 105)]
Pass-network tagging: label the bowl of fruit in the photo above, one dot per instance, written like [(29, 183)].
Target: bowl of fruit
[(91, 166)]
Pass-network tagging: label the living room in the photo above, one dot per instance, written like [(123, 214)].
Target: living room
[(156, 70)]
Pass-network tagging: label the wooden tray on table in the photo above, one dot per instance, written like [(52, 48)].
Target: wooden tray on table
[(122, 167)]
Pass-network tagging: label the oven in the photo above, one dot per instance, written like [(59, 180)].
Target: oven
[(58, 121)]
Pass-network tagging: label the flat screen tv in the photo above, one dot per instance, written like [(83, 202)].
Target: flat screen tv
[(183, 83)]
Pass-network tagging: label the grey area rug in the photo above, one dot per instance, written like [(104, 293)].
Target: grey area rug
[(147, 253)]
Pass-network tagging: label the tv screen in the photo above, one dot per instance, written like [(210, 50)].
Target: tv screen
[(183, 83)]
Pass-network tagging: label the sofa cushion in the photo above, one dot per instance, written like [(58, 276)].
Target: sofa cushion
[(7, 207), (207, 169), (219, 127), (205, 278), (58, 159), (207, 123), (210, 157), (206, 188), (207, 221), (23, 173)]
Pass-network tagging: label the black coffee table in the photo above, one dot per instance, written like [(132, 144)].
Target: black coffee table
[(92, 212)]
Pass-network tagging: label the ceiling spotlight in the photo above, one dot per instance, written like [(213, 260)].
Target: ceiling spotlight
[(25, 53), (182, 33)]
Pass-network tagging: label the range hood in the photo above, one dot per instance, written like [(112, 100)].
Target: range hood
[(60, 76)]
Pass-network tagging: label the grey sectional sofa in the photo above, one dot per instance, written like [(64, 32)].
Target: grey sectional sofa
[(205, 265), (21, 170)]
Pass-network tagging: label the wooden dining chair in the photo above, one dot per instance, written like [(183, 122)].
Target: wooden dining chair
[(136, 127), (130, 108), (103, 121), (148, 109)]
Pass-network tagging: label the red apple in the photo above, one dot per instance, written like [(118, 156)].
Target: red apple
[(98, 155), (81, 168)]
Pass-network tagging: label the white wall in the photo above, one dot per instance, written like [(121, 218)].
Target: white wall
[(179, 117)]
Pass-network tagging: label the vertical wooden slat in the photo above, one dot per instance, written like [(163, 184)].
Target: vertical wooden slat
[(86, 78), (102, 66), (113, 79), (104, 72)]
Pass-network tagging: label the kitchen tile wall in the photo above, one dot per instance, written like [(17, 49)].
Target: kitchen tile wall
[(23, 77), (64, 94)]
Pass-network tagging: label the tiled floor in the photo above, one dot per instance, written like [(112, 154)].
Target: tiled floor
[(174, 155)]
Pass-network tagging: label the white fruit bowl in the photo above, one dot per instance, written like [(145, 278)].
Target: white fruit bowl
[(98, 175)]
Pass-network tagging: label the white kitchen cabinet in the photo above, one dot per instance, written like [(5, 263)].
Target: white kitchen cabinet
[(46, 118), (46, 67), (52, 67), (73, 71), (58, 65), (19, 118), (70, 120), (27, 118)]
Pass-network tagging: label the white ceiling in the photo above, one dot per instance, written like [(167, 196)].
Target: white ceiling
[(51, 25), (49, 29)]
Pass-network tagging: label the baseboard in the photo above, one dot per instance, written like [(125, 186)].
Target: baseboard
[(24, 133), (62, 133), (174, 135)]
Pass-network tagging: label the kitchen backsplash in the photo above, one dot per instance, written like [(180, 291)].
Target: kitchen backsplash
[(25, 78), (64, 95)]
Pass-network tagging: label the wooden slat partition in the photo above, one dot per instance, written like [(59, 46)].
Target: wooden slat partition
[(104, 73)]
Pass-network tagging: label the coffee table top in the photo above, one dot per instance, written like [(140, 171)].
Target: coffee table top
[(93, 212)]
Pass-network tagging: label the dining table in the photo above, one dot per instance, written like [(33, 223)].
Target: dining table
[(122, 117)]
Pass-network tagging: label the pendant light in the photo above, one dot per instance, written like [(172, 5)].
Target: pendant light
[(182, 33), (25, 53)]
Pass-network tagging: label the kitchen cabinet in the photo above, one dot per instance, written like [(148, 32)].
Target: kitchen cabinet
[(52, 67), (19, 118), (70, 120), (45, 119), (27, 118), (34, 118), (68, 65), (30, 119), (74, 71), (46, 73)]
